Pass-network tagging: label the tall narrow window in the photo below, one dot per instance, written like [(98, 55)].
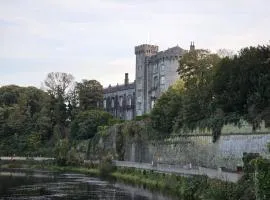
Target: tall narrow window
[(112, 102), (104, 103), (162, 80), (121, 101), (162, 67), (152, 103), (155, 68), (129, 101), (155, 81)]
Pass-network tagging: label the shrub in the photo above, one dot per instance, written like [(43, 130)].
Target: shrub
[(106, 167)]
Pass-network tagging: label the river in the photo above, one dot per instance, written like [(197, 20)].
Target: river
[(22, 184)]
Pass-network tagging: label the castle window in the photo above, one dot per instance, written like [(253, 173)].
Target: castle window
[(129, 101), (155, 68), (112, 102), (162, 80), (121, 101), (139, 93), (152, 103), (162, 67), (155, 81), (104, 103), (139, 105)]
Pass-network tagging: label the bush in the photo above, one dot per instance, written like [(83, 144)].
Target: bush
[(106, 167)]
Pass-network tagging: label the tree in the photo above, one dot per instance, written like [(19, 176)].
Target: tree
[(90, 93), (23, 124), (167, 109), (58, 83), (196, 69), (222, 53), (86, 123), (241, 85)]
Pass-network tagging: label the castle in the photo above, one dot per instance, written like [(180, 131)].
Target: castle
[(155, 72)]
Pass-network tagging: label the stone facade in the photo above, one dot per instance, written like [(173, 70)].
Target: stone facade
[(119, 100), (155, 72)]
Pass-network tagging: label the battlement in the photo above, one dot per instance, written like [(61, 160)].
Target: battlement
[(146, 49)]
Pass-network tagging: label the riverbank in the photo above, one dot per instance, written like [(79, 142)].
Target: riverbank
[(189, 188)]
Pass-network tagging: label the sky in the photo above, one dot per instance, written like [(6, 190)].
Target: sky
[(95, 39)]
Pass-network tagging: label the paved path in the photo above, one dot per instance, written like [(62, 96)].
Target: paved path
[(25, 158), (211, 173)]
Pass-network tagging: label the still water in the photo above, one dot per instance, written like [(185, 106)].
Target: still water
[(42, 185)]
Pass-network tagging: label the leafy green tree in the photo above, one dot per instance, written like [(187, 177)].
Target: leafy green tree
[(90, 93), (241, 85), (196, 69), (167, 109), (20, 117), (86, 123)]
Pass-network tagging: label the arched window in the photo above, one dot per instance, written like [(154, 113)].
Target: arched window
[(112, 102)]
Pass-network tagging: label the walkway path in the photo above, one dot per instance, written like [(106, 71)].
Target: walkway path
[(211, 173), (25, 158)]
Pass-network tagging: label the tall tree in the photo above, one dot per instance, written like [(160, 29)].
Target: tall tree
[(241, 85), (196, 69), (58, 83), (90, 93)]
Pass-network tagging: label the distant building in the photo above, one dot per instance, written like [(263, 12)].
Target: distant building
[(155, 72), (119, 100)]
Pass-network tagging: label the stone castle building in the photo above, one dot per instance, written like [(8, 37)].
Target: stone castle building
[(155, 72)]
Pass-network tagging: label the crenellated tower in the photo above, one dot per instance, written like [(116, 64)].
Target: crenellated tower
[(143, 53)]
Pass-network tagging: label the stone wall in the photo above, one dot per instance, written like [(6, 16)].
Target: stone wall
[(199, 150)]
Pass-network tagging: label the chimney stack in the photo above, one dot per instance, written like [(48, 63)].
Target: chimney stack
[(126, 78)]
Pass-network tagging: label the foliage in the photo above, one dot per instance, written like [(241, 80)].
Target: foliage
[(241, 84), (248, 166), (120, 140), (86, 123), (193, 188), (262, 178), (61, 151), (25, 122), (142, 117), (90, 94), (106, 167), (167, 109)]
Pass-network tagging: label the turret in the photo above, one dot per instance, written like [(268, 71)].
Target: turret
[(192, 47), (126, 79)]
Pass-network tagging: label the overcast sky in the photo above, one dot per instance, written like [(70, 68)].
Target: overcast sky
[(95, 39)]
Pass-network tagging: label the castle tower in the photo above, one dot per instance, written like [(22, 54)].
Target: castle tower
[(192, 46), (143, 53)]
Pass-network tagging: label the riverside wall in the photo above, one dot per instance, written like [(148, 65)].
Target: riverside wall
[(197, 150)]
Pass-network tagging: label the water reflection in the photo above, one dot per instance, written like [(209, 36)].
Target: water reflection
[(43, 185)]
